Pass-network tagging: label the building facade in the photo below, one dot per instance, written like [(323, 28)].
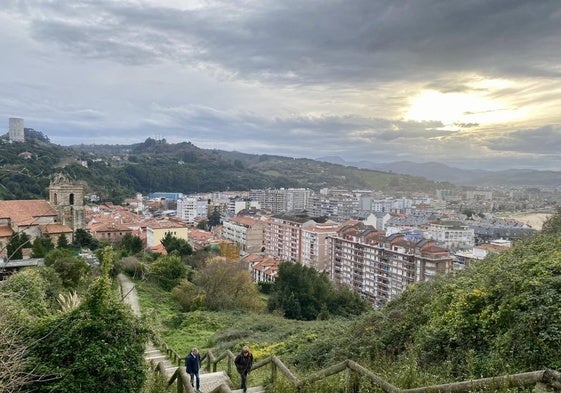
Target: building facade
[(245, 232), (68, 200), (283, 237), (379, 267), (452, 235), (315, 245)]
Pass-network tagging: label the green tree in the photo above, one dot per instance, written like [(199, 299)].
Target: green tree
[(99, 346), (552, 225), (62, 241), (214, 219), (167, 271), (172, 243), (72, 270), (83, 238), (130, 244), (16, 244), (41, 246), (26, 289), (301, 292), (223, 285)]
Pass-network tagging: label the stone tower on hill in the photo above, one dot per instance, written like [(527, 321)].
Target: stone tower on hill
[(68, 200), (15, 131)]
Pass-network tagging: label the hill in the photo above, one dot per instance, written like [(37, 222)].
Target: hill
[(443, 173), (115, 172)]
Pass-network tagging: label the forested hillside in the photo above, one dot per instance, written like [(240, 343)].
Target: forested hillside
[(117, 172)]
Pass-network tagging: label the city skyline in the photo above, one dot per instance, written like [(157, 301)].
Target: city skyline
[(472, 84)]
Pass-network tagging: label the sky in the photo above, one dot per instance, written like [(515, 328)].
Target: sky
[(470, 83)]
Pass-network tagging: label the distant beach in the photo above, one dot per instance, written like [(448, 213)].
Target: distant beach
[(533, 219)]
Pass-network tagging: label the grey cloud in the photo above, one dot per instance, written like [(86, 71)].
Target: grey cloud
[(544, 140), (315, 41)]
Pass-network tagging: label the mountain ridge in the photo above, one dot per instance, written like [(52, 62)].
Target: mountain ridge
[(436, 171)]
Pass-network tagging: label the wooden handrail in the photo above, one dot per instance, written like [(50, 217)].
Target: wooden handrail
[(550, 379)]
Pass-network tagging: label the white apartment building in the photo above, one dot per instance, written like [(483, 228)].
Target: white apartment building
[(283, 200), (452, 235), (236, 205), (247, 233), (337, 205), (315, 245), (189, 207)]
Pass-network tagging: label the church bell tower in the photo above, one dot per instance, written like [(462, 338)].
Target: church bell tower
[(68, 200)]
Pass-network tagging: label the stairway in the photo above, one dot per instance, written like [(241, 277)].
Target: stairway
[(153, 354), (209, 381)]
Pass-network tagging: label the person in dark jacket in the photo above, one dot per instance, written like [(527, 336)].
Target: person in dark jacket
[(244, 362), (192, 366)]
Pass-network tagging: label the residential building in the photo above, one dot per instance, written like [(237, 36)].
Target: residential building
[(199, 239), (379, 267), (283, 237), (187, 209), (156, 230), (452, 235), (262, 268), (35, 218), (315, 245), (283, 200), (338, 205), (246, 232), (378, 220), (236, 205)]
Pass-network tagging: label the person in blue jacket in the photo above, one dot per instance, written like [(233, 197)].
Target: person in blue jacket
[(192, 366)]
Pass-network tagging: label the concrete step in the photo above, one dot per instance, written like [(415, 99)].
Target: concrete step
[(210, 381), (254, 389)]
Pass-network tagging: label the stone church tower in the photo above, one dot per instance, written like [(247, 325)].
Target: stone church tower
[(68, 200)]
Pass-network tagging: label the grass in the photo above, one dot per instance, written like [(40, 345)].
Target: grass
[(266, 334)]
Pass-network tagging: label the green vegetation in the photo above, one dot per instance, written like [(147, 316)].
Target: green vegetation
[(177, 245), (167, 271), (16, 244), (72, 270), (68, 345), (300, 292), (116, 172)]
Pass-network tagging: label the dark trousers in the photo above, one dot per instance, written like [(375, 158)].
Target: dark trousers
[(244, 380), (193, 376)]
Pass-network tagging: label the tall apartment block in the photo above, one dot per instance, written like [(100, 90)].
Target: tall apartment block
[(379, 267)]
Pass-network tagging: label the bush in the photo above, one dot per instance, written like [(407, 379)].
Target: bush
[(167, 271), (98, 346), (72, 270)]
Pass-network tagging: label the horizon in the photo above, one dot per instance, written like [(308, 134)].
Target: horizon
[(472, 85)]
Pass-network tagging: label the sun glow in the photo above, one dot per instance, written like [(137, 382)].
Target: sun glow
[(456, 109)]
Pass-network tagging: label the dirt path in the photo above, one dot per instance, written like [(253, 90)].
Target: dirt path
[(129, 292)]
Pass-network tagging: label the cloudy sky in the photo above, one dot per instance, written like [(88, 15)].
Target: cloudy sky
[(470, 83)]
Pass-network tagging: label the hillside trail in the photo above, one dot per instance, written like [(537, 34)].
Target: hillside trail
[(209, 381)]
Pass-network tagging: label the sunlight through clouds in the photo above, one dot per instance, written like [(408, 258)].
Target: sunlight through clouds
[(455, 109)]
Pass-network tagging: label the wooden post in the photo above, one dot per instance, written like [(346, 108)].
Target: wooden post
[(273, 373), (543, 388), (179, 382)]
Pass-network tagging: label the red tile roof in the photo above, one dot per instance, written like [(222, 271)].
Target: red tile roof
[(6, 231), (26, 212), (51, 229)]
